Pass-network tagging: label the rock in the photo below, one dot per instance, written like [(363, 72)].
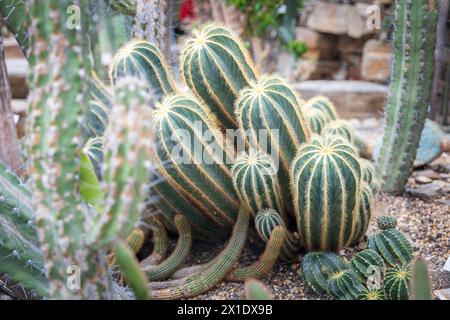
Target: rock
[(431, 174), (353, 99), (329, 18), (357, 21), (426, 192), (376, 61), (443, 294), (320, 45), (17, 72), (423, 180)]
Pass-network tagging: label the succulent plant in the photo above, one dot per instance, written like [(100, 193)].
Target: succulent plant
[(317, 267), (340, 128), (136, 239), (386, 222), (420, 284), (392, 245), (323, 104), (410, 90), (326, 179), (396, 282), (372, 294), (365, 208), (344, 285), (367, 263), (255, 290)]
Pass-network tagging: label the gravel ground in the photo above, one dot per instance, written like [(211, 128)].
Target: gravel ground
[(424, 219)]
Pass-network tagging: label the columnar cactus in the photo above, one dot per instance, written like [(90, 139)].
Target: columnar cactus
[(317, 267), (271, 105), (142, 59), (255, 181), (409, 98), (160, 242), (344, 285), (216, 66), (196, 168), (326, 188), (396, 282)]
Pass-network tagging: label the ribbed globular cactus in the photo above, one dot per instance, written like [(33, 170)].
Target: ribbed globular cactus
[(256, 182), (340, 128), (216, 67), (265, 222), (136, 239), (193, 159), (372, 294), (317, 267), (142, 59), (270, 115), (324, 105), (317, 119), (344, 285), (365, 207), (326, 188), (368, 263), (368, 175), (396, 282), (410, 90), (386, 222)]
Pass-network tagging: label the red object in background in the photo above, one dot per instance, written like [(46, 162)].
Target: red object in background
[(187, 10)]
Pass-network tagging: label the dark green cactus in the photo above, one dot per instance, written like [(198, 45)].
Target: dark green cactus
[(396, 282), (386, 222), (136, 239), (368, 175), (324, 105), (270, 104), (15, 14), (216, 66), (127, 7), (344, 285), (367, 263), (317, 267), (340, 128), (410, 90), (365, 208), (392, 245), (160, 242), (326, 189), (372, 294)]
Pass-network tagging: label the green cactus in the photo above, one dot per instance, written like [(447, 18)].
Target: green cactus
[(410, 90), (136, 239), (368, 175), (317, 119), (323, 104), (386, 222), (202, 177), (326, 188), (15, 15), (367, 263), (160, 242), (196, 284), (265, 262), (141, 58), (344, 285), (420, 284), (256, 183), (270, 104), (396, 282), (265, 222), (216, 67), (392, 245), (255, 290), (340, 128), (127, 7), (178, 256), (317, 267), (372, 294), (365, 208)]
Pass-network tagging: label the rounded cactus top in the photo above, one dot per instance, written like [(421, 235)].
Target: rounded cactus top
[(324, 105), (386, 222), (341, 128), (254, 160), (265, 221)]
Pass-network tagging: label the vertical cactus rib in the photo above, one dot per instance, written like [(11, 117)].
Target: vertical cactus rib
[(144, 60), (340, 128), (178, 256), (216, 67), (323, 105), (408, 101), (344, 285), (396, 282), (366, 203), (256, 183), (127, 7), (208, 278), (392, 245), (15, 14), (365, 263), (136, 239), (265, 262), (326, 185), (160, 242), (271, 105), (196, 168)]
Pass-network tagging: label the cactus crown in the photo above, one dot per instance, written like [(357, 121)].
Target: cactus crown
[(265, 221), (386, 222), (340, 128)]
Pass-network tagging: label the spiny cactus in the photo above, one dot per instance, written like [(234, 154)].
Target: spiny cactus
[(265, 222), (340, 128), (136, 239), (127, 7), (178, 256), (409, 98), (221, 266), (386, 222), (365, 207), (317, 267), (216, 67), (270, 104), (255, 181), (420, 284), (392, 245), (142, 59), (368, 175), (344, 285), (326, 188), (317, 119), (202, 177), (255, 290), (367, 263), (323, 104), (265, 262), (372, 294), (396, 282), (15, 14), (160, 242)]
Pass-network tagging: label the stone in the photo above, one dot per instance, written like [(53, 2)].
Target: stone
[(443, 294), (320, 45), (17, 72), (431, 174), (426, 192), (353, 99), (329, 18), (376, 61), (423, 180), (357, 21)]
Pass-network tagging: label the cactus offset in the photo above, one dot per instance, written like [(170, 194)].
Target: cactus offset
[(372, 294), (340, 128), (386, 222), (367, 263), (410, 90), (396, 282), (136, 239), (392, 245), (326, 187), (255, 290), (270, 104), (216, 67), (344, 285), (317, 119), (317, 267)]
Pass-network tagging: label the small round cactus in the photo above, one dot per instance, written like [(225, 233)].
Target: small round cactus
[(396, 282), (136, 239), (367, 263), (265, 221), (392, 245), (372, 294), (340, 128), (386, 222), (344, 285)]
